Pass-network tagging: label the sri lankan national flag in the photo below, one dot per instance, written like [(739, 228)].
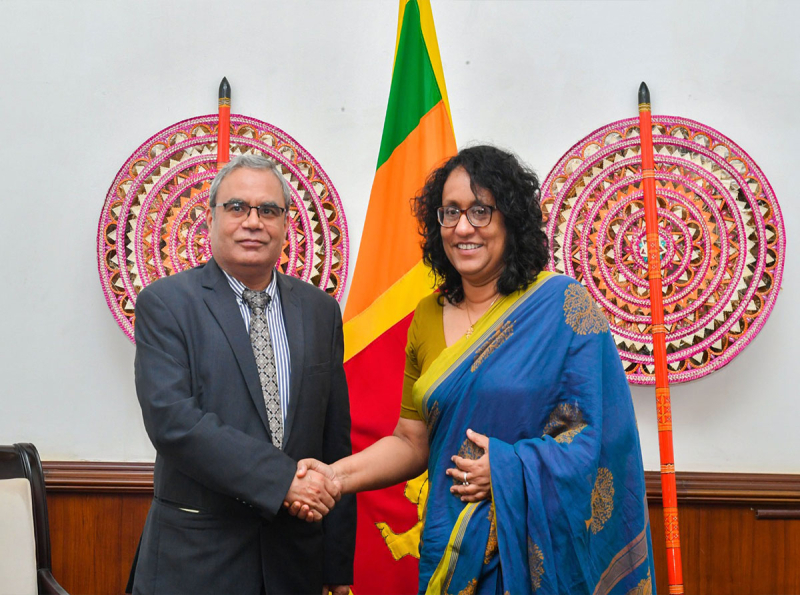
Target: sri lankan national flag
[(388, 282)]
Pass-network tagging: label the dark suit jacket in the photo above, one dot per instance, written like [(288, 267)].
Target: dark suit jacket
[(198, 385)]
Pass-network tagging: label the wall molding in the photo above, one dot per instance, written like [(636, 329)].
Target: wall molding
[(754, 489), (781, 491), (91, 476)]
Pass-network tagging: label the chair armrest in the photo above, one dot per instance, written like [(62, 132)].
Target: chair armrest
[(48, 584)]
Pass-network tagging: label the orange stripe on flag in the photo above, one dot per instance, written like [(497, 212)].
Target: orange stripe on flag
[(390, 244), (400, 299)]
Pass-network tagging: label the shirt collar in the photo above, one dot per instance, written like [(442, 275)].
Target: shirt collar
[(238, 287)]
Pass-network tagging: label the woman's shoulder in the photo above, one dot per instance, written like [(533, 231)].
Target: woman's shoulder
[(553, 281), (429, 306), (427, 317), (557, 289)]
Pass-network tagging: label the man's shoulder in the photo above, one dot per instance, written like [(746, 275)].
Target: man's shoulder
[(184, 282), (308, 292)]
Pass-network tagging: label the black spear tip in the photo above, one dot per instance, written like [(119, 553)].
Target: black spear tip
[(224, 89), (644, 93)]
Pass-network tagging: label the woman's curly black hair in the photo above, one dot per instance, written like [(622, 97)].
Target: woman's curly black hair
[(515, 188)]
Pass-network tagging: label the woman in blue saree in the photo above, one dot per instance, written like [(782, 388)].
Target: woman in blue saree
[(515, 402)]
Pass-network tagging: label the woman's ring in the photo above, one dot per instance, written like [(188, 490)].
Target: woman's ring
[(466, 483)]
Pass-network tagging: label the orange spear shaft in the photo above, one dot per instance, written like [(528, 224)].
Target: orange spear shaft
[(663, 406)]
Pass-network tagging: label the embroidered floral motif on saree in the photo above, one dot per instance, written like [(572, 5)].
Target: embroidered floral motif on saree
[(602, 500), (565, 422), (536, 564), (498, 338), (581, 313)]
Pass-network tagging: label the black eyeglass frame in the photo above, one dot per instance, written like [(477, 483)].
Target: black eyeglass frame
[(440, 215), (249, 208)]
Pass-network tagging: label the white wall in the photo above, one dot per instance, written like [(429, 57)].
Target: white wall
[(84, 83)]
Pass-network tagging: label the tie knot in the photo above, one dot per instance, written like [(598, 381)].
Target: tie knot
[(256, 299)]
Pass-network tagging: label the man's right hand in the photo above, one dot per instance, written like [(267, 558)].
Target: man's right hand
[(313, 492), (321, 474)]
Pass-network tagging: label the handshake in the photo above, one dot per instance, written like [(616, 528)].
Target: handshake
[(315, 490)]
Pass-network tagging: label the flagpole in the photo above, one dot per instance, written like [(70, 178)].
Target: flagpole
[(663, 406), (224, 126)]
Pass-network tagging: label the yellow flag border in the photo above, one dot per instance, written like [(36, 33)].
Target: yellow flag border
[(388, 309)]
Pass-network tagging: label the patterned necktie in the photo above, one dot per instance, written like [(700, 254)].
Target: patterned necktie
[(265, 360)]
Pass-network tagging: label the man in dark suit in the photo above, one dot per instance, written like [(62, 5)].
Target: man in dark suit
[(239, 375)]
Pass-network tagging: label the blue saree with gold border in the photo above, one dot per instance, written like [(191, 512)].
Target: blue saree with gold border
[(542, 378)]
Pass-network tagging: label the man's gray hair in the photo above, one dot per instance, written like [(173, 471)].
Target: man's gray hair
[(249, 161)]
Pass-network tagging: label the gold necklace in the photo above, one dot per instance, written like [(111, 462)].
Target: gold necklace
[(471, 328)]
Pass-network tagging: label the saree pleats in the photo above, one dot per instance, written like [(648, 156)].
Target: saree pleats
[(541, 377)]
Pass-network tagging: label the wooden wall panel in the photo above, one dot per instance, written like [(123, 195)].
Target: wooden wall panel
[(97, 511), (94, 537), (727, 551)]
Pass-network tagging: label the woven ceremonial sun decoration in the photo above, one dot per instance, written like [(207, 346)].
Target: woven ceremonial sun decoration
[(721, 237), (721, 234), (153, 220)]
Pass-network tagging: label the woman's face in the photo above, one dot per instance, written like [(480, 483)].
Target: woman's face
[(475, 252)]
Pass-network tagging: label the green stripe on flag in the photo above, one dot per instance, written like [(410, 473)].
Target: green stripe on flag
[(414, 89)]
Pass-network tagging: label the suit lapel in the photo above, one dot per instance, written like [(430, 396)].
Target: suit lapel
[(293, 320), (221, 300)]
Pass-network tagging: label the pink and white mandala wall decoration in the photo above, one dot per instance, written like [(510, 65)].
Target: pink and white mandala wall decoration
[(721, 234), (153, 220)]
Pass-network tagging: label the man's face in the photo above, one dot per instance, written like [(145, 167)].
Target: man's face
[(247, 247)]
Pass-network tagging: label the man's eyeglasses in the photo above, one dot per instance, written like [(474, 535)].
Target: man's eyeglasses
[(477, 215), (238, 209)]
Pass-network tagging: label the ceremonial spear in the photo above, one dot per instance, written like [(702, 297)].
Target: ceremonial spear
[(663, 406), (224, 126)]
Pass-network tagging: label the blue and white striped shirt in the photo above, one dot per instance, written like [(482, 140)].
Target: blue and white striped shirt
[(277, 333)]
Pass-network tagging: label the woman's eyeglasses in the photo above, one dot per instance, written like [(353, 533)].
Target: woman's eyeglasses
[(477, 215)]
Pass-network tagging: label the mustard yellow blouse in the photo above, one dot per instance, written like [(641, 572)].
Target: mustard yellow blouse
[(425, 343)]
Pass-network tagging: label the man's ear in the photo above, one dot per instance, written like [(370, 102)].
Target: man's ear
[(209, 217)]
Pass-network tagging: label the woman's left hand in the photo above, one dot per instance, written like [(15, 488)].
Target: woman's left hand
[(473, 475)]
